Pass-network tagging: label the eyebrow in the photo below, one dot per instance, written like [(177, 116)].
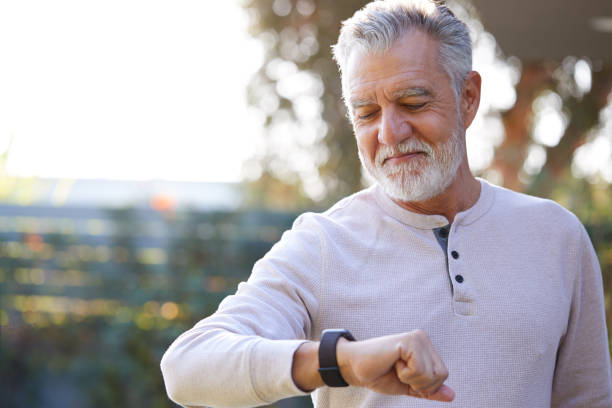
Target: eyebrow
[(402, 93), (358, 103), (406, 93)]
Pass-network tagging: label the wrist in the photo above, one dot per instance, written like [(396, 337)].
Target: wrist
[(305, 367), (344, 360)]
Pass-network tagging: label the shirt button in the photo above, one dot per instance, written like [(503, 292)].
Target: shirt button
[(459, 278), (443, 233), (455, 254)]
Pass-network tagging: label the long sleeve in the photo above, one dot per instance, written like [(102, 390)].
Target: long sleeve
[(242, 354), (582, 375)]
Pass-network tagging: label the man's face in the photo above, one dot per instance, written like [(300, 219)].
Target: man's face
[(405, 117)]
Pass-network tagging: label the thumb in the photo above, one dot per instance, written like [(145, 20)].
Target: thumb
[(444, 394)]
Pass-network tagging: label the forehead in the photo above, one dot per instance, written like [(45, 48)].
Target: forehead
[(412, 62)]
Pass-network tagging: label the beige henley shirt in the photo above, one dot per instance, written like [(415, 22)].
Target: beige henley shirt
[(514, 307)]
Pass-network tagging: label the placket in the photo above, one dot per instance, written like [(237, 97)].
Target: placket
[(462, 288)]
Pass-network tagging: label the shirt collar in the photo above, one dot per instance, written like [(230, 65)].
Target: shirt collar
[(425, 221)]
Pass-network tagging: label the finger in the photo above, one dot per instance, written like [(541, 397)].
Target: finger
[(416, 371), (430, 383), (427, 391), (414, 393), (436, 391), (420, 357), (390, 384), (422, 383), (440, 368), (440, 374), (404, 373), (400, 367), (444, 394), (414, 390), (435, 384)]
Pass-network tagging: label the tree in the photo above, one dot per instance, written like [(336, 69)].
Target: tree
[(310, 155), (310, 160)]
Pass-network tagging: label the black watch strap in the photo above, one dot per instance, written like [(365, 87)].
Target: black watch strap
[(328, 364)]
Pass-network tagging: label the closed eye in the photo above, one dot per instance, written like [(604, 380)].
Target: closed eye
[(366, 116), (414, 106)]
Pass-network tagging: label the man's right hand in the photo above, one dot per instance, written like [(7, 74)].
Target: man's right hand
[(399, 364)]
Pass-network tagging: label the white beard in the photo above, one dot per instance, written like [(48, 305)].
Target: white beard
[(423, 177)]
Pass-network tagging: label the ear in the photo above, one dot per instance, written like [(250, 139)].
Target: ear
[(470, 98)]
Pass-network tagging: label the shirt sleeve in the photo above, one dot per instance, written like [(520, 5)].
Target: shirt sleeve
[(242, 355), (583, 375)]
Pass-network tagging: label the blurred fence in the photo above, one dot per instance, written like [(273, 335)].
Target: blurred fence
[(90, 299)]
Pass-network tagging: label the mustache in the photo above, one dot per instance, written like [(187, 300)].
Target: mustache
[(408, 146)]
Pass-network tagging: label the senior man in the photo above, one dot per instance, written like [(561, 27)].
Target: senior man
[(430, 285)]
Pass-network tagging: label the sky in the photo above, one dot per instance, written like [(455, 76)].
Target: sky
[(126, 89)]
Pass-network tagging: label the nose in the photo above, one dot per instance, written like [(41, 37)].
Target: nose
[(393, 128)]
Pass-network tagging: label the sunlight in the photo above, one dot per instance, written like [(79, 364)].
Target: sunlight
[(126, 89)]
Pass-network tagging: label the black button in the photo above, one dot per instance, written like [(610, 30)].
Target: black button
[(459, 278), (455, 254), (443, 233)]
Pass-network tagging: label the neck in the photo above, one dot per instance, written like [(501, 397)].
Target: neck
[(461, 194)]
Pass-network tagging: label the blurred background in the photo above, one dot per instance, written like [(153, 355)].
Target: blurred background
[(151, 151)]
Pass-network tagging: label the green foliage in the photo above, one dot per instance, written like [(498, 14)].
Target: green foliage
[(86, 318), (301, 42)]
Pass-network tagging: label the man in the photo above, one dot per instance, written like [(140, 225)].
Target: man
[(443, 287)]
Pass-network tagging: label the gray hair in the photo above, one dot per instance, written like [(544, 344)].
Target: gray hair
[(378, 25)]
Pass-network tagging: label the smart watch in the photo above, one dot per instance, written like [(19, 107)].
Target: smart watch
[(328, 364)]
